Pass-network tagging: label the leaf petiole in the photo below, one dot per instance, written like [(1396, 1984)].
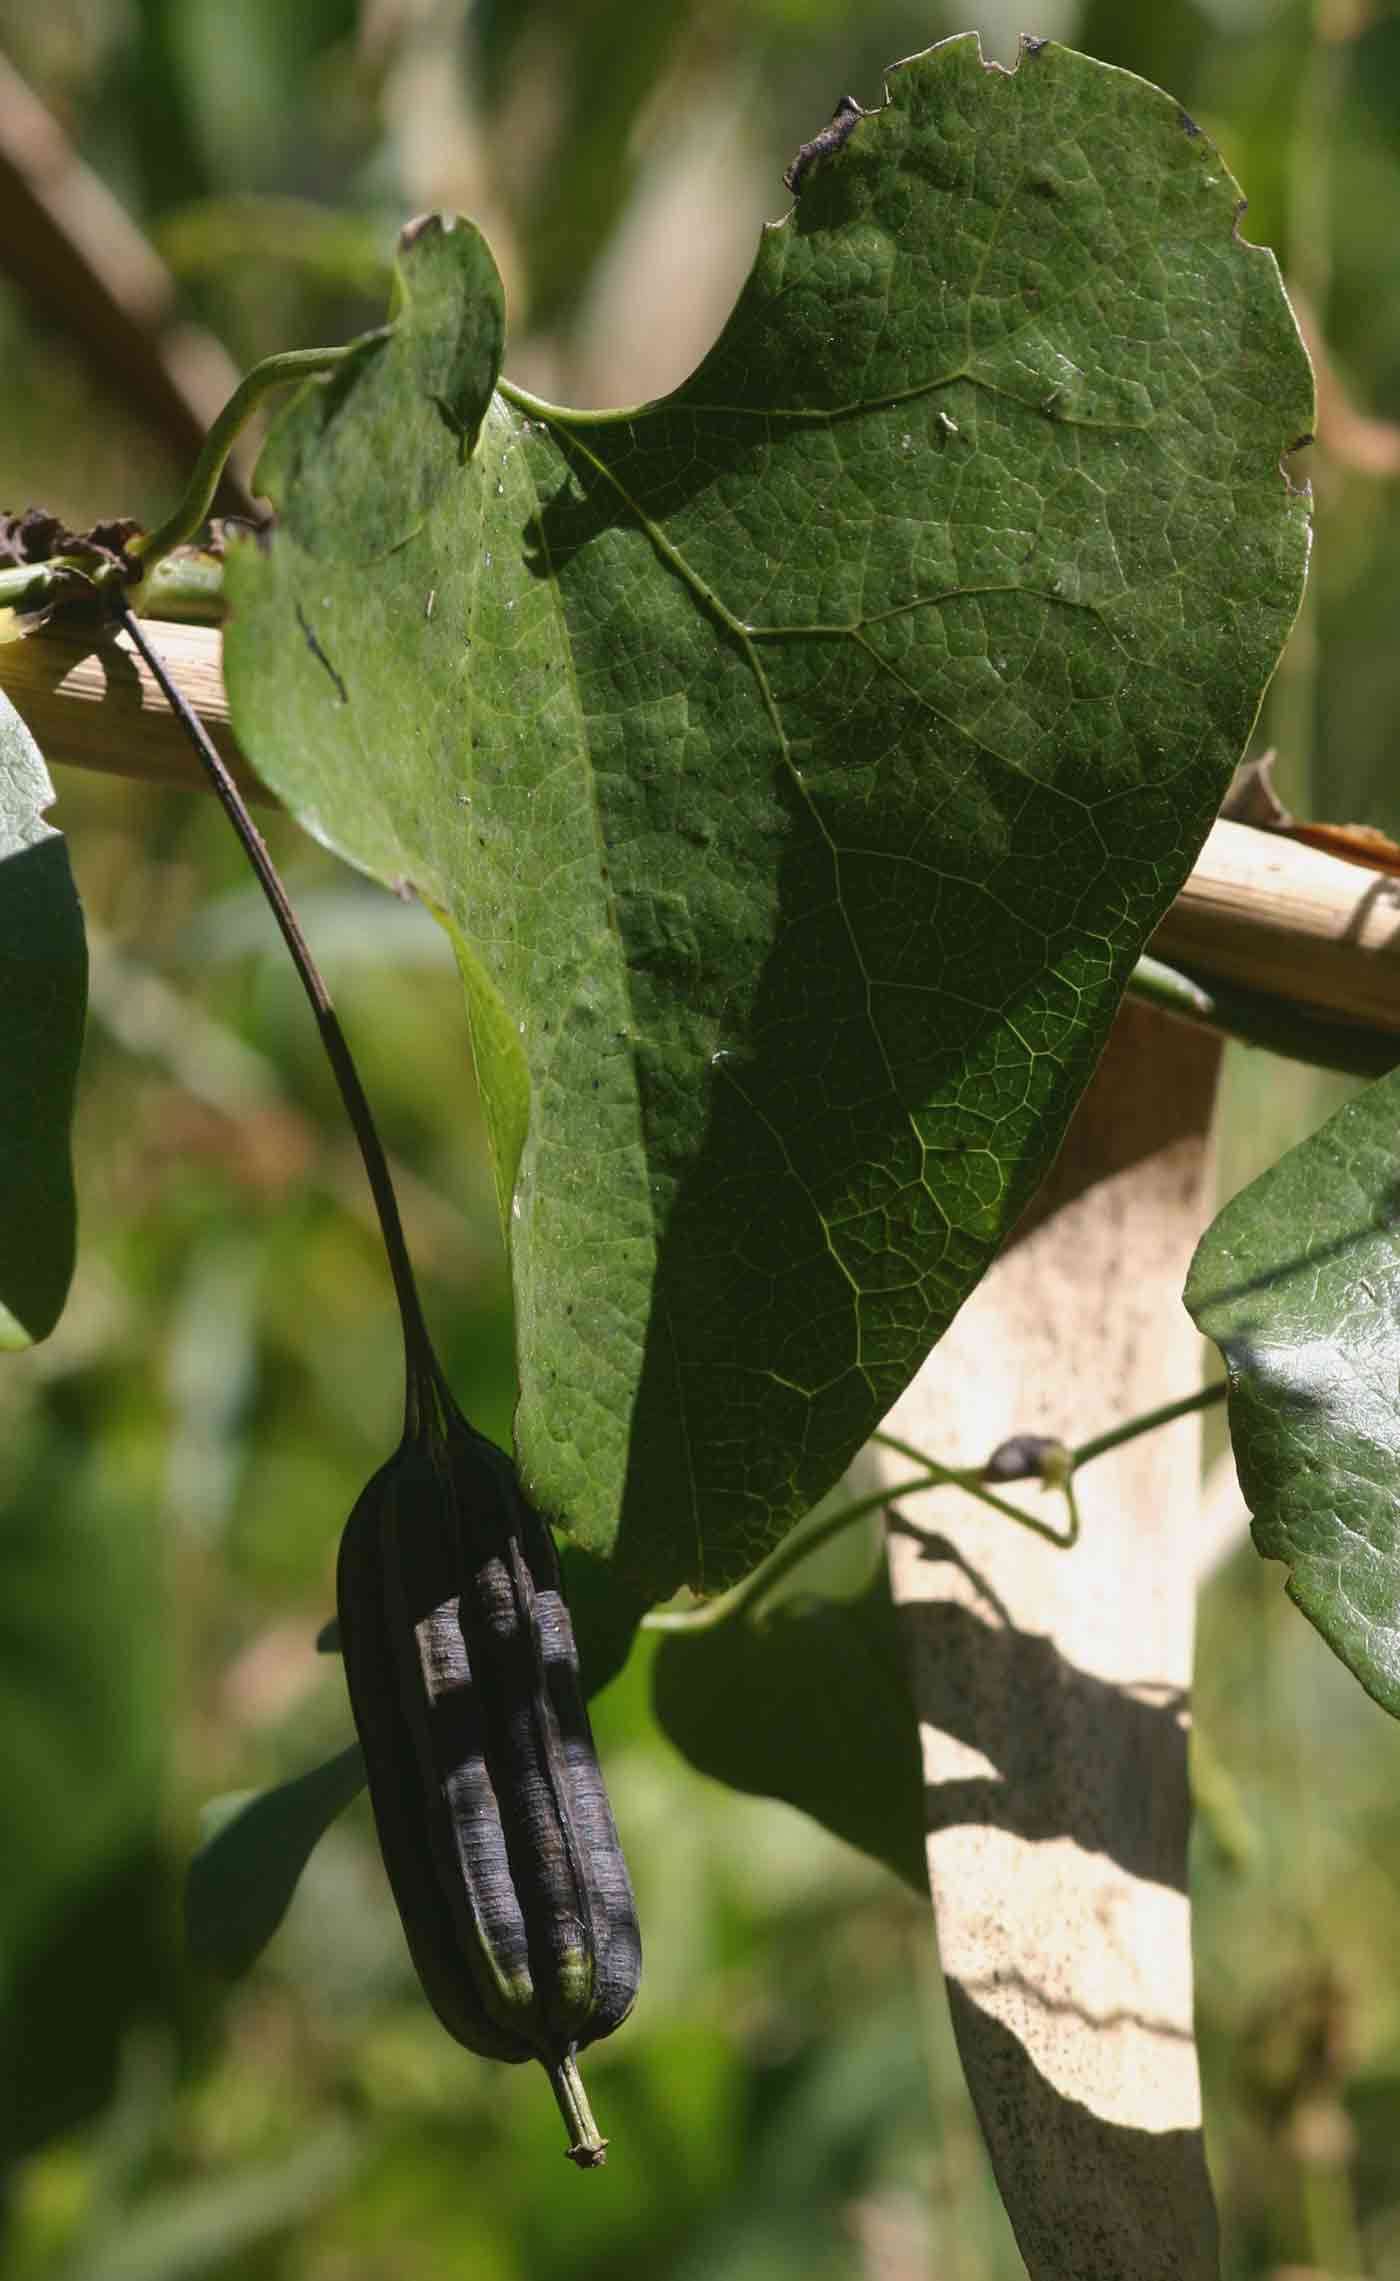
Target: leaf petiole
[(1147, 1421), (284, 371), (1275, 1024), (790, 1554)]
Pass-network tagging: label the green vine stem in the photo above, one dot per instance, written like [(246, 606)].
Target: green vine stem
[(1273, 1023), (185, 587), (283, 371), (1147, 1421), (795, 1549), (36, 587), (41, 586), (1061, 1463), (790, 1554), (969, 1479)]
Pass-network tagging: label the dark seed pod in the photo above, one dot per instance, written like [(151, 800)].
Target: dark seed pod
[(493, 1820)]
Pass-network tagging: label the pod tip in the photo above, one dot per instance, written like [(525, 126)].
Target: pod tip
[(587, 2148)]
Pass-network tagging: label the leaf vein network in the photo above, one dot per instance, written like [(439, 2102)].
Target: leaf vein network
[(920, 697), (700, 588), (820, 1216)]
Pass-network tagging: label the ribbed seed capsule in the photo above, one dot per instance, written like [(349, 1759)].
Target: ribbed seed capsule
[(493, 1820)]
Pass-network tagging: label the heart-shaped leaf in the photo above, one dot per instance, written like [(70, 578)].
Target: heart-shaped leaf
[(1298, 1283), (43, 997), (800, 762)]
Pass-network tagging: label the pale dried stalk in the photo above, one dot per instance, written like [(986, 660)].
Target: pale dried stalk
[(1266, 912), (92, 703)]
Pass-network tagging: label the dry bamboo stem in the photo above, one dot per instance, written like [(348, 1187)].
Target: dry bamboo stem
[(1267, 912), (94, 704), (1260, 910)]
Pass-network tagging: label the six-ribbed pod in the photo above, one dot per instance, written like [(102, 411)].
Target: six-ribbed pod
[(493, 1820)]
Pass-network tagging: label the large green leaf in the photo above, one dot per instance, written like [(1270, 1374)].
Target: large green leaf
[(1298, 1283), (800, 762), (43, 995)]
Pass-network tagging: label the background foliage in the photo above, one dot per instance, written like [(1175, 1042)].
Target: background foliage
[(183, 1452)]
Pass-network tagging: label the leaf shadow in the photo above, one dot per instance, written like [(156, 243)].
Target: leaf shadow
[(1108, 2183), (811, 1253), (587, 501), (1068, 1756), (980, 1682), (833, 1162), (1382, 1219)]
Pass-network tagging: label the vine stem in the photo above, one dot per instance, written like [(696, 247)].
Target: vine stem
[(789, 1554), (797, 1548), (1147, 1421), (283, 371), (969, 1479), (418, 1353), (1276, 1024)]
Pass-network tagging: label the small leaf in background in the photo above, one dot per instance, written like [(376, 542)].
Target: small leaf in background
[(255, 1847), (805, 1699), (43, 994), (1298, 1283), (800, 762)]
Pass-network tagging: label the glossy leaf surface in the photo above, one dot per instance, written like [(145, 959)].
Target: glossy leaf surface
[(1298, 1283)]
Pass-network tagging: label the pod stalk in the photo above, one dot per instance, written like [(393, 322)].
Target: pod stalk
[(419, 1357), (587, 2147)]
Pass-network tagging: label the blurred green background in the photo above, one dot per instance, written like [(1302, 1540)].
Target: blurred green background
[(181, 1455)]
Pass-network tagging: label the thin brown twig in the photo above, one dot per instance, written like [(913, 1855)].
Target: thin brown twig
[(76, 251)]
